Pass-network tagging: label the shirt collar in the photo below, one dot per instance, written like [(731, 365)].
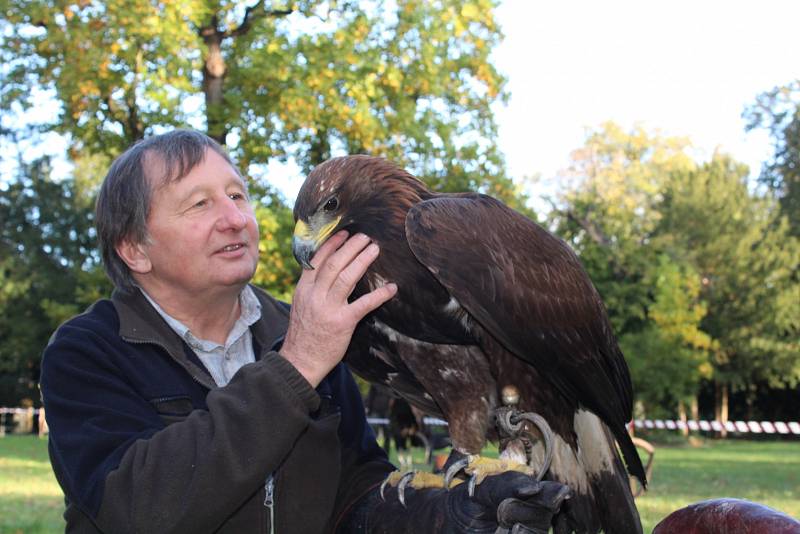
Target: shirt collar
[(250, 312)]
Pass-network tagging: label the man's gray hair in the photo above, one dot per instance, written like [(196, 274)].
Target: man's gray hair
[(123, 203)]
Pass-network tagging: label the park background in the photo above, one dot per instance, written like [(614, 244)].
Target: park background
[(662, 142)]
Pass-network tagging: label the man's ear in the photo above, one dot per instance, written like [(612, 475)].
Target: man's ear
[(135, 256)]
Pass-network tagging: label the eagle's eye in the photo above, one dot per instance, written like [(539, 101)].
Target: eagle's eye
[(331, 204)]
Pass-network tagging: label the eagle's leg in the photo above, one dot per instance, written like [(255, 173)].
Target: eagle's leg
[(478, 468), (517, 439), (514, 428)]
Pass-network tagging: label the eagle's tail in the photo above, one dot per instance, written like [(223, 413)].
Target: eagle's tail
[(618, 509), (603, 498), (631, 455)]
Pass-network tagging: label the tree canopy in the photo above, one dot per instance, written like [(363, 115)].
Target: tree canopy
[(410, 80), (778, 111), (695, 267)]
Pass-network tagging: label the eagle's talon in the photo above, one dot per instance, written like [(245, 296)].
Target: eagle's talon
[(401, 486), (383, 487), (454, 469), (473, 481)]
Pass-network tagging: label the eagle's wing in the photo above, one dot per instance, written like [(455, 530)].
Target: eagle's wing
[(529, 290)]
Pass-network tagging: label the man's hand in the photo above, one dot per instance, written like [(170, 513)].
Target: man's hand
[(507, 503), (521, 504), (322, 321)]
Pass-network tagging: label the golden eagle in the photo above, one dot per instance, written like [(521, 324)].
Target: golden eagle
[(488, 302)]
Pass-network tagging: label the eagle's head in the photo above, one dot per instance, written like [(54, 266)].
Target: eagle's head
[(354, 193)]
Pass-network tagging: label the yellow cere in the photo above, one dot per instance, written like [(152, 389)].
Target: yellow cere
[(303, 231)]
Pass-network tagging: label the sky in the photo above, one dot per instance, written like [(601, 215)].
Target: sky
[(684, 68)]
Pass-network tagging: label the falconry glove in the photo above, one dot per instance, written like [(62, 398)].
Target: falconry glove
[(507, 503)]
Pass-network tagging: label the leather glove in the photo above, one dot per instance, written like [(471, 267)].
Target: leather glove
[(507, 503)]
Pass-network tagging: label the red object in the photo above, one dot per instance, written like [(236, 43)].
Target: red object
[(727, 516)]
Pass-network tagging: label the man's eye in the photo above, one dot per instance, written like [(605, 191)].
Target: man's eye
[(200, 204), (236, 196)]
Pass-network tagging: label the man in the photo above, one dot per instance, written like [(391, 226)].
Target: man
[(193, 402)]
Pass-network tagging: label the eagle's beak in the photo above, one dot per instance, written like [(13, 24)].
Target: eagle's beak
[(303, 251), (305, 243)]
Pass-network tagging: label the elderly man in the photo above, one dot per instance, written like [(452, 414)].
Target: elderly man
[(194, 402)]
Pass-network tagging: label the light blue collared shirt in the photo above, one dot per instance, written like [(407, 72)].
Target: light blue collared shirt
[(222, 361)]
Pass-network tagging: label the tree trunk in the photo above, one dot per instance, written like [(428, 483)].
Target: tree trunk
[(214, 67), (721, 406), (682, 416), (695, 409), (213, 77)]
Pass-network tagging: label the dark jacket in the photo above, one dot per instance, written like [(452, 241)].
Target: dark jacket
[(142, 440)]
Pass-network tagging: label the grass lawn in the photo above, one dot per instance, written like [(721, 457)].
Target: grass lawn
[(767, 472), (30, 499)]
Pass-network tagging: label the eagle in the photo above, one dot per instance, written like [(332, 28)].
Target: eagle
[(491, 309)]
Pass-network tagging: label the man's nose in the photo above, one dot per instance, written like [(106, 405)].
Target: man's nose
[(231, 216)]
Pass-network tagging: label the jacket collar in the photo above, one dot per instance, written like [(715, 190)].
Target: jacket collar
[(139, 322), (270, 330)]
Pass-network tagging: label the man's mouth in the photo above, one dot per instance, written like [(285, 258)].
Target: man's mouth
[(232, 247)]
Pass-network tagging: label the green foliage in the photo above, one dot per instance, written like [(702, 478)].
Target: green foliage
[(669, 356), (607, 212), (49, 269), (695, 268), (746, 257), (277, 270), (409, 80), (778, 111), (117, 68)]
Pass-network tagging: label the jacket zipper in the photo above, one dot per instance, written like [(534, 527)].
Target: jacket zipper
[(269, 500)]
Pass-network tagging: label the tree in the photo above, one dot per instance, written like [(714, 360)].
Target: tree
[(746, 257), (49, 269), (696, 269), (607, 211), (669, 356), (410, 80), (778, 111)]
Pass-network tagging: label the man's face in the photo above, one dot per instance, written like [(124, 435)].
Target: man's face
[(203, 231)]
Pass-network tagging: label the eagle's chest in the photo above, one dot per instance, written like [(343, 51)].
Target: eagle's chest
[(422, 308)]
